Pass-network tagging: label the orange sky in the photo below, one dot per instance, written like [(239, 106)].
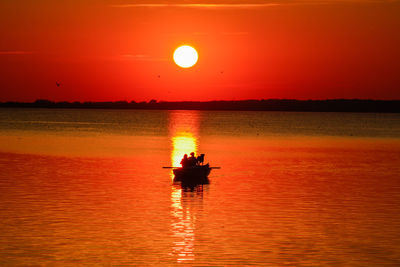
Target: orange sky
[(114, 50)]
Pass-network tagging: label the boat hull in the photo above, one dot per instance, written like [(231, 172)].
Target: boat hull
[(192, 175)]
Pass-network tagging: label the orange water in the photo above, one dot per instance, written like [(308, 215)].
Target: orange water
[(86, 187)]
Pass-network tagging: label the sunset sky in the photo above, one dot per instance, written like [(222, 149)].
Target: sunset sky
[(122, 50)]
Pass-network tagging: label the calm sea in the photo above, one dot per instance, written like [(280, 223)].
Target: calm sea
[(86, 187)]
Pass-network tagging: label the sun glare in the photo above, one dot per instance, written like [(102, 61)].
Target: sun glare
[(185, 56)]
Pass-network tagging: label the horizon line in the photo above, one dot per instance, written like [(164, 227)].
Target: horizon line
[(197, 101)]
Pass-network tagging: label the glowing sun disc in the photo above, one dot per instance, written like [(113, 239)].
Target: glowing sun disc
[(185, 56)]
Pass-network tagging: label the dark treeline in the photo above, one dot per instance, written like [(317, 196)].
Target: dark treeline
[(330, 105)]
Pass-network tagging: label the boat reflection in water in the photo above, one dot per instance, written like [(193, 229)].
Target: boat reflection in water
[(183, 127)]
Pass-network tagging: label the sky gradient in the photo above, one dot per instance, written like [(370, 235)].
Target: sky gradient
[(122, 50)]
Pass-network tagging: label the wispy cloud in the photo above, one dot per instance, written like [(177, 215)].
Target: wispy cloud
[(197, 5), (235, 33), (244, 5), (141, 57), (17, 52)]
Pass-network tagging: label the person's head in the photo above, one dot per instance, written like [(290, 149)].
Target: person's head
[(192, 154), (185, 156)]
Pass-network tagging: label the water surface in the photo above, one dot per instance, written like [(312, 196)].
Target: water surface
[(86, 187)]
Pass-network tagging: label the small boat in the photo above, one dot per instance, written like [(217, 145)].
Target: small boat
[(193, 171)]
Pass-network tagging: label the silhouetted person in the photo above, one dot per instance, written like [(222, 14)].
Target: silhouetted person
[(200, 159), (192, 160), (184, 161)]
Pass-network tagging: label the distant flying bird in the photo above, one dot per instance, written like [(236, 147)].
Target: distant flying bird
[(159, 76), (58, 84)]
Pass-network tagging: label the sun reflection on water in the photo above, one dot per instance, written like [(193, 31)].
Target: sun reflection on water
[(183, 143), (183, 127)]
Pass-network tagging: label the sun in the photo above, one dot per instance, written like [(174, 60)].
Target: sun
[(185, 56)]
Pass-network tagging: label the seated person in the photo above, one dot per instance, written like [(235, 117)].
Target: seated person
[(192, 161), (185, 161), (200, 159)]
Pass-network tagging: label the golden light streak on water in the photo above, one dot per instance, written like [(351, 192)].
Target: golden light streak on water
[(183, 128), (182, 144), (183, 227)]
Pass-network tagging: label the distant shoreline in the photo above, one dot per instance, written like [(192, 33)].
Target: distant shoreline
[(329, 105)]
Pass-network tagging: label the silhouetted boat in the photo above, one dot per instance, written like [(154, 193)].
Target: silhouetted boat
[(192, 175)]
